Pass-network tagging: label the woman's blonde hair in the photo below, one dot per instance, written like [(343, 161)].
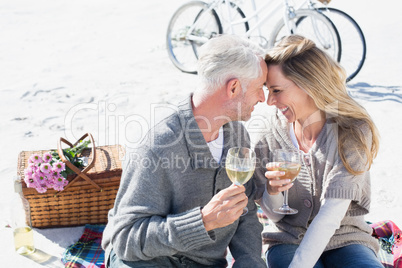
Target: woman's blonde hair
[(324, 80)]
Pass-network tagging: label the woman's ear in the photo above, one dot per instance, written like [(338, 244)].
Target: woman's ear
[(233, 88)]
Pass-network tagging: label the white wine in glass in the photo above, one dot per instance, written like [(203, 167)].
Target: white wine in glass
[(240, 165), (289, 162)]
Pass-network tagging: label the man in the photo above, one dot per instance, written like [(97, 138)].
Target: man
[(176, 207)]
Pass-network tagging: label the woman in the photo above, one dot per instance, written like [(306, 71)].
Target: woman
[(338, 142)]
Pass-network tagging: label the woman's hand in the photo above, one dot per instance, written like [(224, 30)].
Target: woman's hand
[(275, 184)]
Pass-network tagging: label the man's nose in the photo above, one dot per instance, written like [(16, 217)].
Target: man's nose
[(261, 96)]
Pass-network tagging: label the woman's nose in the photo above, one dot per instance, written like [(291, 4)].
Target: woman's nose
[(270, 99)]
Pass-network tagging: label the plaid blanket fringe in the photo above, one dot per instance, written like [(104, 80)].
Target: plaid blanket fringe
[(87, 252), (390, 238)]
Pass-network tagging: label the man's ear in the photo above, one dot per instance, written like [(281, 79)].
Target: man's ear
[(233, 88)]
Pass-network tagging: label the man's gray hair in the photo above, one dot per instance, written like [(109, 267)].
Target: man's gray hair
[(226, 57)]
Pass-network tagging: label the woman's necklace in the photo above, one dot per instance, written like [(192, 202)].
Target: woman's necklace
[(313, 127), (304, 144)]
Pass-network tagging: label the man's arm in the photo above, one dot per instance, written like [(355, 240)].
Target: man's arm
[(142, 228), (246, 244)]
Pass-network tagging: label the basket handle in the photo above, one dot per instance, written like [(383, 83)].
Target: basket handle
[(80, 173)]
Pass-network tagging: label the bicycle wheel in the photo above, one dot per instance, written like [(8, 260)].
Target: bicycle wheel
[(227, 19), (235, 24), (312, 25), (352, 39), (235, 14), (190, 26)]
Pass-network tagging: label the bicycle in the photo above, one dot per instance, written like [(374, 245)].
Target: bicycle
[(353, 42), (348, 42), (196, 21), (353, 49)]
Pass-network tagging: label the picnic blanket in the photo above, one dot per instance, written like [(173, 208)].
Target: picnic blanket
[(388, 234), (390, 238), (87, 252)]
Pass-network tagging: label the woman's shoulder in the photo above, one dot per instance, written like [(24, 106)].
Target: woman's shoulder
[(363, 125)]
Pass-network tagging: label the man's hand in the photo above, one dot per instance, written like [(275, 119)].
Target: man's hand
[(224, 208)]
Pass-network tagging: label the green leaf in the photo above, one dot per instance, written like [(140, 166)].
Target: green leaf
[(72, 154)]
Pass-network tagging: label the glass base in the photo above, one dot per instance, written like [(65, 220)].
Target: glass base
[(286, 210), (25, 250)]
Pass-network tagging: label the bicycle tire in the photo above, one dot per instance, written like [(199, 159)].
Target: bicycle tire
[(181, 48), (239, 30), (353, 42), (327, 38), (242, 28)]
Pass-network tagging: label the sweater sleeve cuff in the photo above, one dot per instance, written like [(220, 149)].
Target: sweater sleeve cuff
[(269, 203), (190, 229)]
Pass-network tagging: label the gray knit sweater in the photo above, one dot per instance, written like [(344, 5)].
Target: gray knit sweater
[(323, 175), (165, 183)]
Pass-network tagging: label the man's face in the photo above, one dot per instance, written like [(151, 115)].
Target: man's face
[(254, 94)]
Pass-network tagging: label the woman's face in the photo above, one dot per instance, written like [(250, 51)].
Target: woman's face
[(292, 101)]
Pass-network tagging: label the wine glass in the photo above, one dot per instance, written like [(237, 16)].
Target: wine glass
[(287, 160), (240, 165)]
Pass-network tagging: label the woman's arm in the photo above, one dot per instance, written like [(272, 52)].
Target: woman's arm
[(270, 202), (320, 231)]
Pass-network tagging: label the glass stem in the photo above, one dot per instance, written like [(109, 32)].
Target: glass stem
[(285, 199)]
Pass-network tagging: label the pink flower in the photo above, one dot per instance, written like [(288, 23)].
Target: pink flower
[(40, 178), (43, 174), (46, 168), (35, 159), (26, 179), (47, 157), (41, 189), (29, 181), (59, 184), (50, 182), (58, 181), (58, 187), (59, 166), (33, 183), (29, 170), (55, 174), (30, 184)]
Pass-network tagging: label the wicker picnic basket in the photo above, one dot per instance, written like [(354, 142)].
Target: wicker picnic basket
[(89, 195)]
